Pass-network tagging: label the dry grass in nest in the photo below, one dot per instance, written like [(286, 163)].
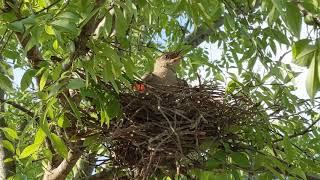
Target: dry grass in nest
[(164, 125)]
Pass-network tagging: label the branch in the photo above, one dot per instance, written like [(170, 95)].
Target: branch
[(62, 171), (201, 33), (308, 129), (18, 106), (86, 32), (305, 12)]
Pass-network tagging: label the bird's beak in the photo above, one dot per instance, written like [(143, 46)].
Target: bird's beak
[(177, 55), (176, 58)]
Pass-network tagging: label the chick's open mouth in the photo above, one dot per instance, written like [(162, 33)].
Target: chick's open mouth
[(175, 56)]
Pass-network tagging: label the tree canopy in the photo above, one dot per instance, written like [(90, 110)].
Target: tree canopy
[(75, 57)]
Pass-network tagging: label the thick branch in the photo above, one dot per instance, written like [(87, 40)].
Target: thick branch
[(202, 33), (86, 32), (61, 172)]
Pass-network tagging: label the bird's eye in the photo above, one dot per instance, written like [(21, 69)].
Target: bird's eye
[(167, 56)]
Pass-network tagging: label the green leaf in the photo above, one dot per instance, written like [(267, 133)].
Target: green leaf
[(39, 137), (275, 172), (16, 26), (279, 36), (306, 51), (76, 84), (302, 52), (279, 5), (312, 82), (59, 145), (121, 24), (71, 16), (108, 76), (29, 150), (8, 145), (63, 121), (293, 18), (43, 80), (26, 79), (74, 108), (289, 151), (10, 133), (49, 30), (65, 26), (299, 172), (104, 118), (5, 83), (240, 159), (55, 45)]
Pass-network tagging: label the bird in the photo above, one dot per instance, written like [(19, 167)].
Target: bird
[(164, 73)]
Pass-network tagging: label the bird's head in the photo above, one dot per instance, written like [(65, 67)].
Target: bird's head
[(170, 59)]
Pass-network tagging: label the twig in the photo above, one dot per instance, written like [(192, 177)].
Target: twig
[(308, 129)]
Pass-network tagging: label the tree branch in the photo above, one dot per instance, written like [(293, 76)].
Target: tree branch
[(86, 32), (305, 12), (201, 33), (308, 129), (18, 106), (65, 166)]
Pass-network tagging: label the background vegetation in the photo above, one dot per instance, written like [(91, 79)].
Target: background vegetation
[(73, 51)]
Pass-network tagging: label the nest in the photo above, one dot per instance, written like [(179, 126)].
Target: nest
[(165, 125)]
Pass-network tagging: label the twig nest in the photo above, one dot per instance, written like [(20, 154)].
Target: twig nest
[(166, 124)]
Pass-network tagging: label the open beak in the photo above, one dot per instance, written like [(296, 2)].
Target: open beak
[(177, 56)]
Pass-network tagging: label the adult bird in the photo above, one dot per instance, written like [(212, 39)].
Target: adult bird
[(164, 73)]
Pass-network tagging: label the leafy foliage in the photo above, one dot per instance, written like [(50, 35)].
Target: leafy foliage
[(75, 57)]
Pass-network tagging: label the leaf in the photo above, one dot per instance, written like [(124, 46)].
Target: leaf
[(312, 82), (306, 51), (39, 137), (63, 121), (289, 151), (16, 26), (76, 84), (43, 80), (280, 37), (240, 159), (121, 24), (10, 132), (55, 45), (113, 107), (26, 79), (49, 30), (278, 5), (65, 26), (71, 16), (271, 16), (74, 108), (275, 172), (104, 118), (5, 83), (59, 145), (108, 76), (293, 18), (29, 150), (8, 145), (302, 52), (213, 164), (299, 172)]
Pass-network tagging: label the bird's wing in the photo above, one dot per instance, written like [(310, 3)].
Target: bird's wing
[(182, 82), (147, 78)]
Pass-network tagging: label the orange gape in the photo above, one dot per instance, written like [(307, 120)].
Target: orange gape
[(139, 87)]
